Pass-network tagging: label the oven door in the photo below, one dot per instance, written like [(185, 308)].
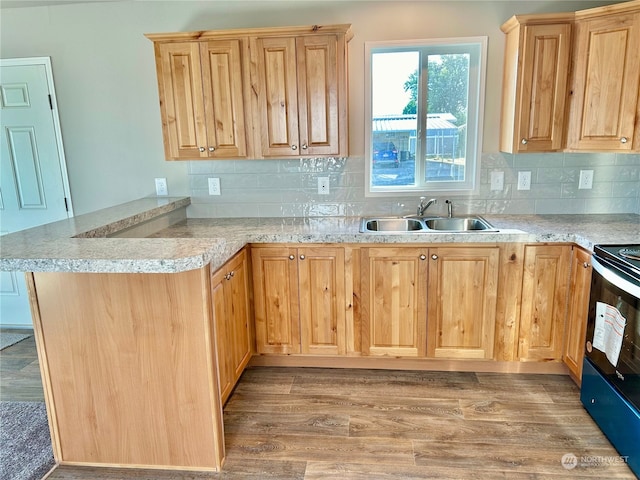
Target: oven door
[(617, 289)]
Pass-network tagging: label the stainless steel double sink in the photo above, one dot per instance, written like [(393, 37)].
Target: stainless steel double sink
[(472, 223)]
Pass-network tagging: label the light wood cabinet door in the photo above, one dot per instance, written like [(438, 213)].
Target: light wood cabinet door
[(394, 301), (277, 96), (201, 99), (580, 287), (535, 87), (300, 304), (230, 297), (276, 305), (545, 286), (320, 66), (223, 98), (462, 292), (181, 100), (606, 81), (321, 272), (301, 95)]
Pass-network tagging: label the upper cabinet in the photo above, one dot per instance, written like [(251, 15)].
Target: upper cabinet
[(201, 99), (536, 75), (268, 92), (300, 95), (604, 109), (571, 81)]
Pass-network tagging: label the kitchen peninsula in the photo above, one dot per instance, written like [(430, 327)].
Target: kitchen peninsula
[(130, 324)]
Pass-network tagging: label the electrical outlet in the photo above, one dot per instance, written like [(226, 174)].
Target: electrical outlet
[(586, 180), (497, 181), (214, 186), (524, 180), (162, 190), (323, 185)]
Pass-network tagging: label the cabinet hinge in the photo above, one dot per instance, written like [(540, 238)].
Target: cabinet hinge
[(51, 105)]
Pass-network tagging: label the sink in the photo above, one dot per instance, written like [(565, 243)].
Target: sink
[(425, 224), (458, 224), (392, 225)]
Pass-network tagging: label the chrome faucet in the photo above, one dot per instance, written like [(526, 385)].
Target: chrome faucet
[(449, 208), (423, 206)]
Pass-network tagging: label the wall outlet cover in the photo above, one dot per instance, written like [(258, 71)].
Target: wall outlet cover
[(162, 190), (214, 186), (586, 180), (524, 180)]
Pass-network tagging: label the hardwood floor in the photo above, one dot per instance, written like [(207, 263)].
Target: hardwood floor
[(297, 423)]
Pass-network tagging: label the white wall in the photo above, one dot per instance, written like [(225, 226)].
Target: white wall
[(107, 92)]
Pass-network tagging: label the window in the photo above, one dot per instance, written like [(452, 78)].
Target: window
[(424, 115)]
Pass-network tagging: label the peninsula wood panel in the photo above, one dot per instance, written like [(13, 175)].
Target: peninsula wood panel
[(463, 285), (394, 301), (545, 286), (321, 272), (276, 303), (576, 330), (130, 368), (604, 108)]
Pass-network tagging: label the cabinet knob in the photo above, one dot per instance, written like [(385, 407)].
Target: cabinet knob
[(232, 273), (304, 146), (586, 265), (524, 141), (294, 147), (212, 149), (202, 149), (228, 276), (423, 257), (292, 257), (434, 256), (623, 140), (301, 257)]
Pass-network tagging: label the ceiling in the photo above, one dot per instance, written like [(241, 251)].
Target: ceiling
[(44, 3)]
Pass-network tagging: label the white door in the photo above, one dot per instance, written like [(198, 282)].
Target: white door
[(34, 187)]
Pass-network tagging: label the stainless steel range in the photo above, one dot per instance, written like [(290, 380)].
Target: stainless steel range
[(611, 375)]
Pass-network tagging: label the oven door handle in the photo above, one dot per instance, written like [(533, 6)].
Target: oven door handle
[(616, 280)]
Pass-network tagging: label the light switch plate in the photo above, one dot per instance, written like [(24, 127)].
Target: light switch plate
[(497, 181), (323, 185)]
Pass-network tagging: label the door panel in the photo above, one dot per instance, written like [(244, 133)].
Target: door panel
[(33, 188)]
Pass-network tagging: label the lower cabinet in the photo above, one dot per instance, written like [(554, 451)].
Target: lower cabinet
[(230, 297), (299, 299), (434, 302), (394, 301), (461, 295), (578, 311), (545, 285)]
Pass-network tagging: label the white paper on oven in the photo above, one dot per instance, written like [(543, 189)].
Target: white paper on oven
[(609, 331)]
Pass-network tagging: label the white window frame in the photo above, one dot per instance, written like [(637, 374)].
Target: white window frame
[(475, 114)]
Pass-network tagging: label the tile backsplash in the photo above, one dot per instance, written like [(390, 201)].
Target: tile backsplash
[(288, 188)]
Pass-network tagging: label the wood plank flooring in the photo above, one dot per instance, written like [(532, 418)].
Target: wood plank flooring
[(308, 424)]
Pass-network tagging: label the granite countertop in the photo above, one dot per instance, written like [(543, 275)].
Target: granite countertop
[(80, 244)]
